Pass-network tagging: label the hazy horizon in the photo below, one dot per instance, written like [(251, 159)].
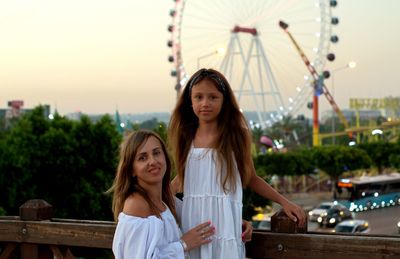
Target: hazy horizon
[(97, 56)]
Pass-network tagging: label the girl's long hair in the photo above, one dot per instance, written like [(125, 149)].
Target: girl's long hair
[(125, 184), (234, 134)]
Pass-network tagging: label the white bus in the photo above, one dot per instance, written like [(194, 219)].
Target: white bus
[(368, 192)]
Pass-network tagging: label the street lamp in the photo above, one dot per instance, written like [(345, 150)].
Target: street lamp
[(351, 64), (377, 133), (220, 51)]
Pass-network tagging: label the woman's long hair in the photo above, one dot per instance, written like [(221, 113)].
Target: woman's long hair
[(234, 134), (125, 184)]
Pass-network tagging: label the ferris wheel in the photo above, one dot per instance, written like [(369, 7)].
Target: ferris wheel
[(243, 40)]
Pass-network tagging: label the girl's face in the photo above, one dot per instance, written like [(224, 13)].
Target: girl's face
[(206, 101), (150, 165)]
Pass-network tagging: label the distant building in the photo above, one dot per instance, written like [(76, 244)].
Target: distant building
[(15, 110), (350, 115), (389, 106), (74, 116)]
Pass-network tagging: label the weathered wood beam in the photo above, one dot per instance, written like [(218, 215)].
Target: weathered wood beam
[(268, 245), (57, 233)]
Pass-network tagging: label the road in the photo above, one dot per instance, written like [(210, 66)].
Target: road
[(381, 221)]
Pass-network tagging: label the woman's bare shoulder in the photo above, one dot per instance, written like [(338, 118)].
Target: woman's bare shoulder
[(136, 205)]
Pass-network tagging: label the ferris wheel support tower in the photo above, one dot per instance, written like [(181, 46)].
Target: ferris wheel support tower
[(264, 86)]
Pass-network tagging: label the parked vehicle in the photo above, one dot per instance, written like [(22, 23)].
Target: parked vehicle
[(334, 215), (262, 224), (321, 209), (262, 220), (352, 226)]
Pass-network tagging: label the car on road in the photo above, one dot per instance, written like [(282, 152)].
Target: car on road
[(262, 224), (321, 209), (352, 226), (334, 215), (398, 227)]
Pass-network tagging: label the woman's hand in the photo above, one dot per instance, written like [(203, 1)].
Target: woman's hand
[(199, 235), (247, 230)]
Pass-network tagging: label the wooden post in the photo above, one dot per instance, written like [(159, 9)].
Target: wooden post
[(35, 210), (281, 223), (275, 247)]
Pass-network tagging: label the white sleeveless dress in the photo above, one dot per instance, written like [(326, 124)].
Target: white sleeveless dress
[(204, 199)]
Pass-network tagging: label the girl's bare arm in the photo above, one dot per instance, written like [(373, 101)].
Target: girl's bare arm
[(262, 188), (175, 185)]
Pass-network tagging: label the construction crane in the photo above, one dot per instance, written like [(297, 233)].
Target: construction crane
[(318, 85)]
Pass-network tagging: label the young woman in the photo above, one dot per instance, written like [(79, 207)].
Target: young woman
[(211, 143), (143, 204)]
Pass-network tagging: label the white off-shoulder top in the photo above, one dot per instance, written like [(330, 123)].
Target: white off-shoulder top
[(145, 238)]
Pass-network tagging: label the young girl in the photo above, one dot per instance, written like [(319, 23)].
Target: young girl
[(211, 143), (143, 204)]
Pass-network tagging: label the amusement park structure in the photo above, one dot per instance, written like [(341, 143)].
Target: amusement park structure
[(319, 88), (390, 107), (243, 41), (261, 65)]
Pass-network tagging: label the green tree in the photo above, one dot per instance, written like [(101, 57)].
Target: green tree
[(334, 160), (68, 163), (293, 132), (159, 127), (149, 124), (256, 134), (380, 153), (279, 164), (394, 158), (339, 127), (161, 130), (20, 160)]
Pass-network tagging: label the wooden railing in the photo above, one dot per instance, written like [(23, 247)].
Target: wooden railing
[(34, 235), (322, 246)]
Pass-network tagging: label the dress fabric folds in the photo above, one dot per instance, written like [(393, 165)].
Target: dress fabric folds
[(147, 238), (204, 199)]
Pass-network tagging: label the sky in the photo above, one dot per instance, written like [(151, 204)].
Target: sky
[(96, 56)]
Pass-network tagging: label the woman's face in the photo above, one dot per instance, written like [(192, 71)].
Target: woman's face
[(206, 101), (150, 165)]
